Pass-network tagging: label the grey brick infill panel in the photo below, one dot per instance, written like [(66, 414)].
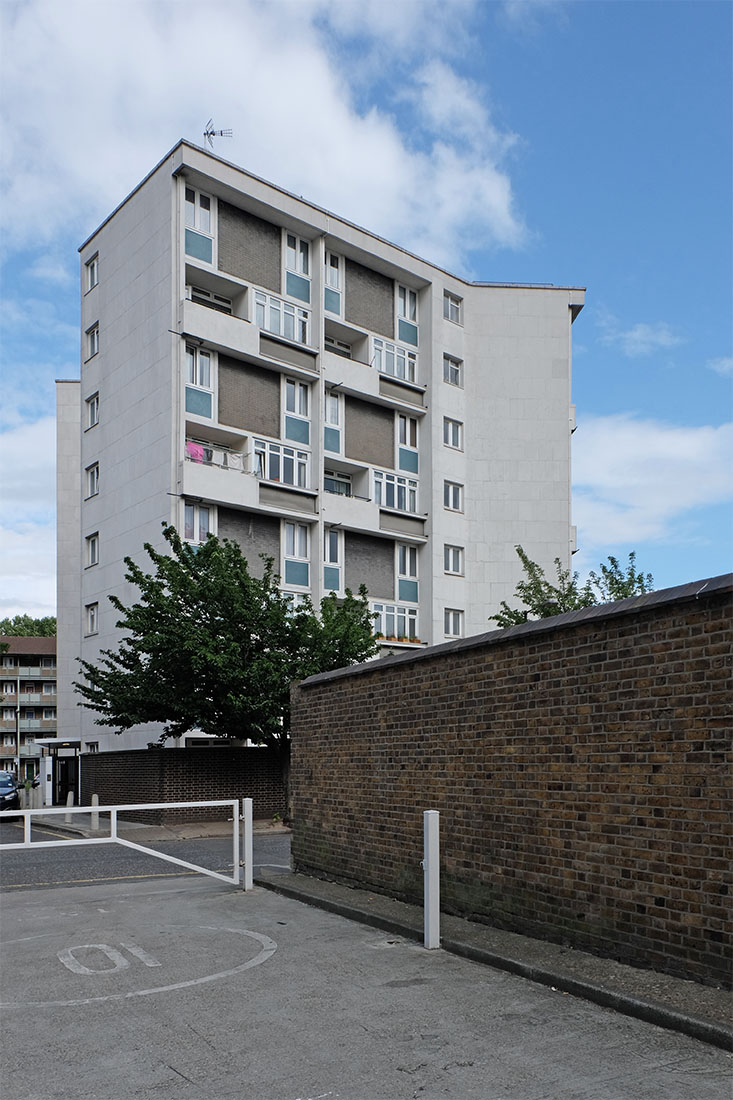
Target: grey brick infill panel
[(255, 535), (249, 247), (369, 433), (369, 299), (249, 397), (369, 561)]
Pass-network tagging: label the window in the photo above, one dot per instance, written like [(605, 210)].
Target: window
[(452, 623), (197, 523), (92, 746), (297, 264), (407, 315), (92, 618), (8, 688), (93, 549), (8, 714), (92, 479), (296, 554), (208, 298), (452, 496), (332, 285), (391, 491), (333, 416), (407, 457), (274, 462), (336, 482), (198, 211), (49, 713), (281, 318), (407, 572), (332, 538), (338, 347), (48, 662), (453, 560), (198, 367), (297, 402), (394, 622), (392, 359), (452, 370), (92, 410), (92, 340), (49, 687), (452, 307), (8, 739), (92, 268), (452, 433)]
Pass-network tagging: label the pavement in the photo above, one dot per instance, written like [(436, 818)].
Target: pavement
[(699, 1011)]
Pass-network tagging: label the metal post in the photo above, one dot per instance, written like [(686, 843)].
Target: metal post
[(95, 813), (26, 827), (236, 830), (69, 802), (247, 882), (431, 876), (113, 824)]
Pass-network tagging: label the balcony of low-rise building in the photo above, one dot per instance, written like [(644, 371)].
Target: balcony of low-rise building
[(28, 671)]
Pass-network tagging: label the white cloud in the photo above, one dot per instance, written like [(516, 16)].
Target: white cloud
[(641, 339), (29, 451), (723, 365), (50, 269), (77, 154), (28, 569), (638, 480)]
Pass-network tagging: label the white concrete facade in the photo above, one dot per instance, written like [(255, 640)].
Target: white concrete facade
[(278, 375)]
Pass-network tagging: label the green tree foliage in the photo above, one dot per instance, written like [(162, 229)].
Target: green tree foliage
[(27, 627), (542, 598), (210, 647)]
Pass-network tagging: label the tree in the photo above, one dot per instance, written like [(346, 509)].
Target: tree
[(542, 599), (24, 625), (211, 647)]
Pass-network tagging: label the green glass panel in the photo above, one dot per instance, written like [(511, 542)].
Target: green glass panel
[(331, 578), (298, 430), (408, 591), (408, 460), (331, 300), (199, 247), (296, 572), (332, 439), (298, 287), (407, 332), (198, 402)]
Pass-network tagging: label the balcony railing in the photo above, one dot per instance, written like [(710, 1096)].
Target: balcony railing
[(208, 454)]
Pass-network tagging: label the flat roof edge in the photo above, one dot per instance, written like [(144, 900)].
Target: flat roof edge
[(693, 590)]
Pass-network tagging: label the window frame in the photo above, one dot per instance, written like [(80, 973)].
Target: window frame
[(388, 352), (300, 317), (333, 284), (384, 479), (452, 493), (452, 433), (394, 609), (195, 508), (451, 554), (452, 307), (266, 450), (195, 224), (91, 619), (452, 364), (407, 303), (92, 548), (92, 480), (92, 336), (92, 272), (92, 406), (453, 622)]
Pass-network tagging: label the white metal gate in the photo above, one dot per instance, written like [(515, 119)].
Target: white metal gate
[(241, 833)]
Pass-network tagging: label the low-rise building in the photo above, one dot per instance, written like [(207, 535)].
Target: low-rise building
[(27, 701)]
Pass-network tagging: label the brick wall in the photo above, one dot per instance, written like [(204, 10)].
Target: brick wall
[(580, 765), (184, 775)]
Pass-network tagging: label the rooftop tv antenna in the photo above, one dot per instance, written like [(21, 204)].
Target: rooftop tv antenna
[(210, 133)]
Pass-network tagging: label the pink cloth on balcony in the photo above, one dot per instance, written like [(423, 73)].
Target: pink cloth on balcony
[(195, 452)]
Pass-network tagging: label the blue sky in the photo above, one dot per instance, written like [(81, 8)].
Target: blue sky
[(584, 143)]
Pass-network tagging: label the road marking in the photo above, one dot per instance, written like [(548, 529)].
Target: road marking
[(70, 961), (268, 948), (109, 878)]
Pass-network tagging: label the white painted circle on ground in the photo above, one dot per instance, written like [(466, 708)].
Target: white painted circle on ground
[(267, 949)]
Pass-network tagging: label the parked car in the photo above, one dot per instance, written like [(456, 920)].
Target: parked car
[(9, 797)]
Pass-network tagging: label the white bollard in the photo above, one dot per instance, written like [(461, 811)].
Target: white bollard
[(431, 877), (69, 802), (247, 883), (95, 813)]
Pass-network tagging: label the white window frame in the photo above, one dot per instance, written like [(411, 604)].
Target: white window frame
[(338, 347), (296, 398), (92, 335), (49, 714), (199, 368), (453, 496), (407, 303), (453, 560), (92, 404), (453, 622), (399, 616), (388, 484), (269, 455), (8, 740), (296, 547), (297, 255), (92, 746), (92, 271), (338, 478), (281, 318), (333, 554), (91, 618), (208, 298), (407, 431), (406, 561), (453, 433), (394, 360), (453, 371), (92, 546), (92, 477), (49, 687), (452, 307), (333, 281), (193, 514), (198, 215)]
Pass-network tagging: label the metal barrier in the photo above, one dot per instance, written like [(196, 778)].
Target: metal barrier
[(241, 834)]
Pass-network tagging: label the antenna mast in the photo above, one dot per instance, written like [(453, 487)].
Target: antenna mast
[(210, 134)]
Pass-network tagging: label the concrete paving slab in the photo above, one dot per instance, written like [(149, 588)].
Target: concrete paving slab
[(190, 989)]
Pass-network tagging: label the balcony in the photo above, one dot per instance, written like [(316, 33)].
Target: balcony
[(215, 473), (220, 331), (355, 513)]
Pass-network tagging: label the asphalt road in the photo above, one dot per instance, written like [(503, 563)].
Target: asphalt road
[(95, 864)]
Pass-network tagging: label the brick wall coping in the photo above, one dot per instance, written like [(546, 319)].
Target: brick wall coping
[(682, 593)]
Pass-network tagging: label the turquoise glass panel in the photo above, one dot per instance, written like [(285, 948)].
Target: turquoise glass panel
[(296, 572), (298, 430), (331, 300), (198, 402), (199, 247), (331, 578), (407, 332), (332, 439), (408, 591), (298, 287), (408, 460)]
